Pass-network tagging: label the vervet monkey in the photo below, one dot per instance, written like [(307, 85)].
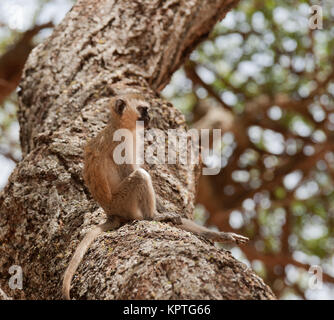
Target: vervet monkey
[(125, 191)]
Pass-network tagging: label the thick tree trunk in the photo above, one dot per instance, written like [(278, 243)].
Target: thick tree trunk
[(46, 209)]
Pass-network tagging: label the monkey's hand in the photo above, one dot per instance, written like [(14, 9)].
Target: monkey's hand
[(168, 217), (226, 237)]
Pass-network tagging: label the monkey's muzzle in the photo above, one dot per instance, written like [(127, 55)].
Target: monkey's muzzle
[(144, 116)]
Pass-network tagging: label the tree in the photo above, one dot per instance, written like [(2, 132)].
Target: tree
[(45, 207)]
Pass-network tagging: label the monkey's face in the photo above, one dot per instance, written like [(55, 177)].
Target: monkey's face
[(143, 115), (129, 110)]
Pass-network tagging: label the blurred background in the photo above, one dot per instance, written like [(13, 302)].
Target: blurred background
[(267, 81)]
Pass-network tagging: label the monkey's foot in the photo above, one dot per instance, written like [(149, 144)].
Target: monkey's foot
[(227, 237), (168, 217)]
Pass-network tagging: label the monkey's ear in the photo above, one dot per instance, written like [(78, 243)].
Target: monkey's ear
[(119, 106)]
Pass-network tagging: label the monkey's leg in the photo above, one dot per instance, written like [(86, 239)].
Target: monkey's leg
[(134, 197), (224, 237), (136, 192), (81, 250)]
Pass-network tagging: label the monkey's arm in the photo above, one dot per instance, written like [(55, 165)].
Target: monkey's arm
[(189, 225), (81, 250), (224, 237)]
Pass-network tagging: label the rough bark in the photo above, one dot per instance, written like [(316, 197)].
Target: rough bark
[(46, 209)]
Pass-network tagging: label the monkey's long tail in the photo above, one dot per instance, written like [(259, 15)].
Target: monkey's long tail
[(81, 250)]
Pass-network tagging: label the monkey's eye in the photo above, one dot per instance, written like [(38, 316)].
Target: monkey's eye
[(119, 106), (143, 115), (142, 110)]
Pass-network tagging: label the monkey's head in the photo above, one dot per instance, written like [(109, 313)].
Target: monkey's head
[(126, 110)]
